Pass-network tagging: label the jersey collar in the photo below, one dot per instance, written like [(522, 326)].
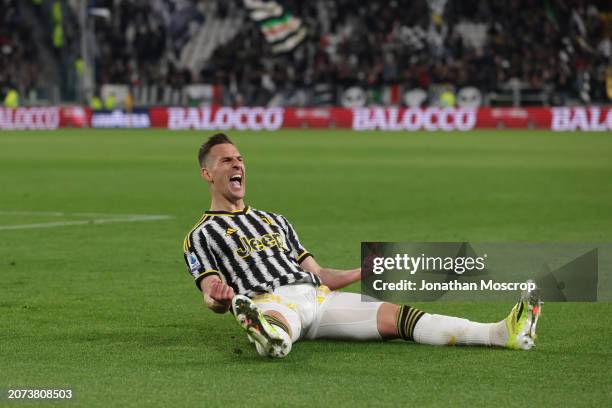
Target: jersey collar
[(245, 210)]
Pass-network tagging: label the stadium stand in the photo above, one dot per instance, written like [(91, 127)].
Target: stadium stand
[(548, 53), (18, 59), (436, 52)]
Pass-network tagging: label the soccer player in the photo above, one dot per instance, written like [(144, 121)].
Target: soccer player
[(253, 262)]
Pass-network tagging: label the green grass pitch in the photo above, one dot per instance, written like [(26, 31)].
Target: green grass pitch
[(109, 310)]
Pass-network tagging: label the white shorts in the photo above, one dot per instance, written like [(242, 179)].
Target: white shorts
[(317, 312)]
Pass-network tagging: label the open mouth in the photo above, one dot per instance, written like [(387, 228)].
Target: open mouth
[(236, 181)]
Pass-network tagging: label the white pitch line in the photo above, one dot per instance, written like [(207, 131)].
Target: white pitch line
[(69, 214), (135, 218)]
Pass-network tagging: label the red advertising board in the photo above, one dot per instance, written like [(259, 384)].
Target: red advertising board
[(44, 118), (596, 119), (379, 118)]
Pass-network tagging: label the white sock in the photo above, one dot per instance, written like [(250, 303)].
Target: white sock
[(439, 330)]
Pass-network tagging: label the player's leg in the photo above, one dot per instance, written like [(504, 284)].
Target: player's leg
[(345, 316), (516, 331), (269, 325), (412, 324), (274, 321)]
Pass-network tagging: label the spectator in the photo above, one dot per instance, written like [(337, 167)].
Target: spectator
[(18, 59), (561, 48)]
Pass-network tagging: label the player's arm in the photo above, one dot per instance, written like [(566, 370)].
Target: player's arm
[(332, 278), (217, 295), (202, 265)]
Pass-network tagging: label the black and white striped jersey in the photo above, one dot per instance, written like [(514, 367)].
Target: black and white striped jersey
[(251, 250)]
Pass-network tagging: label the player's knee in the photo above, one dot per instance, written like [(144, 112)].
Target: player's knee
[(386, 321)]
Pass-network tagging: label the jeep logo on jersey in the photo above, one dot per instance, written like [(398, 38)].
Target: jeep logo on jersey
[(259, 244)]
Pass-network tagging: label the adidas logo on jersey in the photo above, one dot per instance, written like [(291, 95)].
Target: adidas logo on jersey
[(266, 220), (229, 231)]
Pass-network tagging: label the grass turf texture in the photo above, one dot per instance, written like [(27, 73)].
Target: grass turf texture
[(110, 310)]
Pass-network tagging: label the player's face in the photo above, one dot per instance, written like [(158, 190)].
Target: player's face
[(225, 172)]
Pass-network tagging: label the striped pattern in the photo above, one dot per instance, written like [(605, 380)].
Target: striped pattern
[(283, 31), (262, 254), (187, 241), (277, 322), (407, 318)]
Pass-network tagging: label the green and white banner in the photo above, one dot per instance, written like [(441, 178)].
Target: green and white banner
[(283, 31)]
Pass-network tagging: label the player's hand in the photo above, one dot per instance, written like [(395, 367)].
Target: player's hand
[(367, 266), (221, 292), (219, 297)]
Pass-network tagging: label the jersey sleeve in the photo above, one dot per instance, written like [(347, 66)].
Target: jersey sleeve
[(199, 258), (298, 252)]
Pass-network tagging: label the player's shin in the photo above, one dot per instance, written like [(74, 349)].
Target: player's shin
[(440, 330)]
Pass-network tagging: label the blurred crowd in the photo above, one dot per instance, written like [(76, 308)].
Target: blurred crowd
[(141, 42), (562, 47), (18, 57)]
